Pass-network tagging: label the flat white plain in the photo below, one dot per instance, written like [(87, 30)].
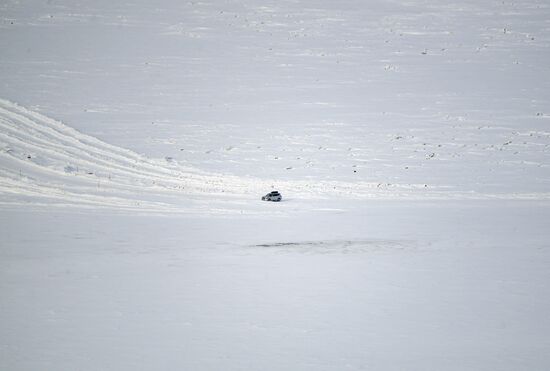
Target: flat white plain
[(409, 140)]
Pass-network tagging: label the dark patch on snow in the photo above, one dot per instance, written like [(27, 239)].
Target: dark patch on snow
[(338, 246)]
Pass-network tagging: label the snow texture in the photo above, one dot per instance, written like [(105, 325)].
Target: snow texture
[(410, 141)]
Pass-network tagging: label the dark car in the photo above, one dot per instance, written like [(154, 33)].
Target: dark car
[(272, 196)]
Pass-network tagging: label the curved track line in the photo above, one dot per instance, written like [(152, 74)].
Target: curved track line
[(44, 161)]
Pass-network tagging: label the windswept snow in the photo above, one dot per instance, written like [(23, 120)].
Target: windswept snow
[(410, 140), (448, 96), (45, 161), (387, 285)]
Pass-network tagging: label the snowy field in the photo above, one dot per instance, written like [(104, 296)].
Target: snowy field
[(410, 141)]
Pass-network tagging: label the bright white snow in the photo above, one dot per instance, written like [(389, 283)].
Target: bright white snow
[(409, 139)]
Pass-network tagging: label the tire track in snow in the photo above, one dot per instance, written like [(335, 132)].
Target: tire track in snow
[(47, 152), (44, 161), (70, 147)]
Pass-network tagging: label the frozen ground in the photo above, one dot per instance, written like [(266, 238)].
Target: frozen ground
[(385, 285), (410, 141)]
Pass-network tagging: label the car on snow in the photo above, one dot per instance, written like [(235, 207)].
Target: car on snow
[(272, 196)]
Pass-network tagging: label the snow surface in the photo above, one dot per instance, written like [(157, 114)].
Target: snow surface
[(410, 141)]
